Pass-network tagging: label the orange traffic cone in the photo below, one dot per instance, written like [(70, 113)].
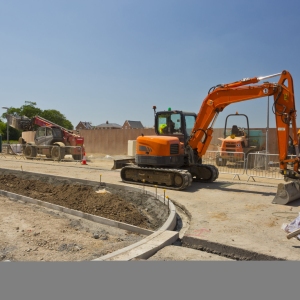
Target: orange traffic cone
[(83, 162)]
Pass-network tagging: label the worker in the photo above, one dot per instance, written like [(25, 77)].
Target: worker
[(163, 128), (167, 128), (171, 126)]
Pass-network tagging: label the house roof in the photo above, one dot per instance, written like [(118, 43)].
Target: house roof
[(87, 125), (135, 124), (109, 125)]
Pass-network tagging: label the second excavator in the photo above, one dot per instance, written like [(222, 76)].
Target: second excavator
[(173, 157)]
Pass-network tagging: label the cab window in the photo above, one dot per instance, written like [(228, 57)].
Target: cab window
[(41, 132), (189, 123), (57, 133), (169, 124), (49, 132)]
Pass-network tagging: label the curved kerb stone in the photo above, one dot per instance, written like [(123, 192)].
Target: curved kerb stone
[(143, 249)]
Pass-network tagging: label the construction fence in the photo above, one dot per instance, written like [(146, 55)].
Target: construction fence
[(115, 141), (256, 164), (55, 153)]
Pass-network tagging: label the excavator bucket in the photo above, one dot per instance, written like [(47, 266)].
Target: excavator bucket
[(287, 192)]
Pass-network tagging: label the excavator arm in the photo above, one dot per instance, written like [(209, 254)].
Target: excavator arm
[(248, 89)]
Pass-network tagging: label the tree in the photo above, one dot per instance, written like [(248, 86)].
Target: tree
[(2, 128), (14, 134), (56, 117), (30, 110)]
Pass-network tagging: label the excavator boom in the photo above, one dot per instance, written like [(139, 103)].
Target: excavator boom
[(246, 89)]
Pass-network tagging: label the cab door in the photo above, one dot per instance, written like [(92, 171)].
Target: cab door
[(40, 136), (49, 136)]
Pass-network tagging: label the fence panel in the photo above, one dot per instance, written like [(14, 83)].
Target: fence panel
[(261, 164), (227, 163), (53, 153), (11, 150)]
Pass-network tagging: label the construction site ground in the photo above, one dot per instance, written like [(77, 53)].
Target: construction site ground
[(230, 219)]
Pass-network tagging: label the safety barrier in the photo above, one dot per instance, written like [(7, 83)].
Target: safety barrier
[(11, 150), (226, 162), (55, 155), (261, 164), (256, 164)]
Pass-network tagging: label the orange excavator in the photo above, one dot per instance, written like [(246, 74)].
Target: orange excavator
[(173, 157)]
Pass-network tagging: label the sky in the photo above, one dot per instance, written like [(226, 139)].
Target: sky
[(112, 60)]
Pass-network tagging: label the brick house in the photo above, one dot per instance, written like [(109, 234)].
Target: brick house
[(84, 125), (132, 125)]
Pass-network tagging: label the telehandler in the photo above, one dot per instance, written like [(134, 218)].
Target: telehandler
[(50, 139)]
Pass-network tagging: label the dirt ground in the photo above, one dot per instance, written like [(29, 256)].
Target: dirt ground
[(30, 232), (34, 233)]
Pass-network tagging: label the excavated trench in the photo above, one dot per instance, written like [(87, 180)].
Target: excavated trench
[(116, 203), (138, 209)]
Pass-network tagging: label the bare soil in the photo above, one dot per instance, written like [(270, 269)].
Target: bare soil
[(33, 233), (78, 197), (30, 232)]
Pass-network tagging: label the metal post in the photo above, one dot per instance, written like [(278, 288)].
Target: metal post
[(7, 124), (168, 204), (267, 131)]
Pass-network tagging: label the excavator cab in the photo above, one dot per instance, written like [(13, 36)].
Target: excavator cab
[(175, 123), (167, 147)]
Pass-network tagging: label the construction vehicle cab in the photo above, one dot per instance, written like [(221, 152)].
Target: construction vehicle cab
[(174, 122), (238, 142), (173, 129)]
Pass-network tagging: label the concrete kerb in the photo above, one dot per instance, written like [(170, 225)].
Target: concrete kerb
[(77, 213), (143, 249)]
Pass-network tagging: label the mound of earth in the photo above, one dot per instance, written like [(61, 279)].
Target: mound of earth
[(86, 199)]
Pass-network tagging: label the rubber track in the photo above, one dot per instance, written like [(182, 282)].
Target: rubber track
[(215, 174), (187, 177)]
